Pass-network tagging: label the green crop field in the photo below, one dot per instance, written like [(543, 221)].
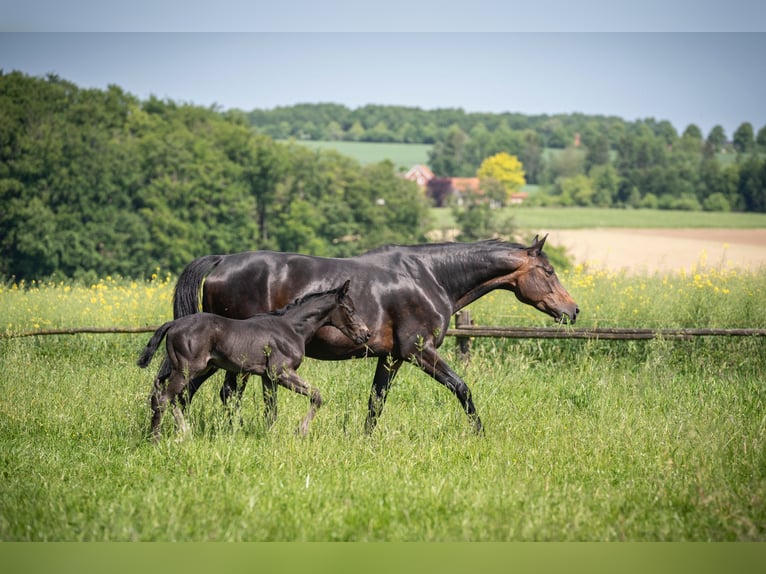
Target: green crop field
[(546, 218), (403, 156), (585, 440)]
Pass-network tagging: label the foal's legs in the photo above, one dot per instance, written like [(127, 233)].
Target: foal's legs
[(384, 376), (194, 384), (231, 386), (161, 395), (269, 400), (289, 379)]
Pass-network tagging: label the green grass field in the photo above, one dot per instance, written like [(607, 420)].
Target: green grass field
[(403, 156), (585, 440), (546, 218)]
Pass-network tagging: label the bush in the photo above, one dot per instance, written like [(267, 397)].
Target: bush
[(716, 202)]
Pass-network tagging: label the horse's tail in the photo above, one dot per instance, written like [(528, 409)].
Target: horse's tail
[(187, 291), (151, 346)]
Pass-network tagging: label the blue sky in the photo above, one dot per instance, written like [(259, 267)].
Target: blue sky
[(688, 66)]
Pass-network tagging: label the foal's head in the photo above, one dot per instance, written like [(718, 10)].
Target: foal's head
[(344, 317)]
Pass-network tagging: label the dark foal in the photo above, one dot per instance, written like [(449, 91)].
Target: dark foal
[(271, 345)]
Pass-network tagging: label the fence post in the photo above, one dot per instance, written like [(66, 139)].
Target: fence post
[(463, 319)]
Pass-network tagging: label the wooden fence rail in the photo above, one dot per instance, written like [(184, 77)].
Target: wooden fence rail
[(78, 330), (464, 329), (597, 333)]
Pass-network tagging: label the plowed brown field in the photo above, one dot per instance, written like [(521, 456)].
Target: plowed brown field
[(663, 250)]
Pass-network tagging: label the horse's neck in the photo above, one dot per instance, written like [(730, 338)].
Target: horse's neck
[(473, 271)]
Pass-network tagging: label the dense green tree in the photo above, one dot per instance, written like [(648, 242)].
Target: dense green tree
[(448, 158), (96, 182), (597, 152), (743, 138), (640, 163), (576, 190), (717, 138), (565, 163), (752, 183), (692, 131), (532, 156), (606, 184), (760, 139), (478, 220)]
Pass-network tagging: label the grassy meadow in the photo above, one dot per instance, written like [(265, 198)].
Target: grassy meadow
[(403, 156), (585, 440), (542, 219)]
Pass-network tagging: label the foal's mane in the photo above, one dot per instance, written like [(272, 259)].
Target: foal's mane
[(301, 300)]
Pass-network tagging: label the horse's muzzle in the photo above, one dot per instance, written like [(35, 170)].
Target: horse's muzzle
[(569, 315)]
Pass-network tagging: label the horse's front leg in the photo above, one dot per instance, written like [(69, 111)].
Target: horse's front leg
[(288, 378), (429, 360), (384, 376)]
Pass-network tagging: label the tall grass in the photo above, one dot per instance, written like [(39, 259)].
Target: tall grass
[(585, 440)]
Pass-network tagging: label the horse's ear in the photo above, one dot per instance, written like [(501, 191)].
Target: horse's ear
[(344, 290), (537, 245)]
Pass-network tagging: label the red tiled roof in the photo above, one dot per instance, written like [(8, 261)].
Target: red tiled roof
[(465, 183), (420, 174)]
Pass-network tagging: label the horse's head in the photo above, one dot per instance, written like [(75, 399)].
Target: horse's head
[(344, 317), (536, 284)]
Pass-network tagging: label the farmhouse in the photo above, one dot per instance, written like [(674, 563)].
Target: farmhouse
[(420, 174), (442, 188)]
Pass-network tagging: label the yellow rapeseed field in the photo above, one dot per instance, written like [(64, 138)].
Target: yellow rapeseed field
[(705, 297), (112, 302)]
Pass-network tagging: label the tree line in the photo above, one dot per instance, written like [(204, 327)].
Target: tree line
[(96, 182), (577, 159)]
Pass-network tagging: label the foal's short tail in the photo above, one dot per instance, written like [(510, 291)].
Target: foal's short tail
[(187, 291), (151, 346)]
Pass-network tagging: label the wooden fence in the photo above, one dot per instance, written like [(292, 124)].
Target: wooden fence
[(465, 330)]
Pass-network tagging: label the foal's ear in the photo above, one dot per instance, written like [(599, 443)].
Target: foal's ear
[(537, 246), (344, 290)]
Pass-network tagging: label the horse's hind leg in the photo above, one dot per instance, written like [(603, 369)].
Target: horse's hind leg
[(384, 375), (288, 378)]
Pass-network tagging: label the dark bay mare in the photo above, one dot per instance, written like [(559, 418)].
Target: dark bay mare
[(268, 344), (405, 294)]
